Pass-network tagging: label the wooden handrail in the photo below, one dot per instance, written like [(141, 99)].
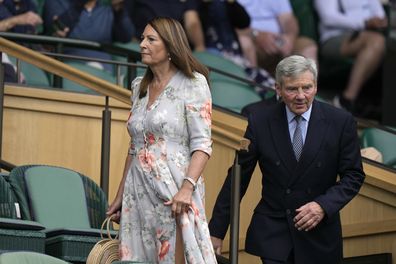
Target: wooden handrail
[(101, 86), (59, 68)]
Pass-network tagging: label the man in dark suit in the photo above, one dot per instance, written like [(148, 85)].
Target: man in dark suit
[(301, 146)]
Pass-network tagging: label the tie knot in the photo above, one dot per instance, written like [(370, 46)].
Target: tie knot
[(298, 119)]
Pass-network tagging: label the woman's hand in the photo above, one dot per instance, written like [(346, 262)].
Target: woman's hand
[(182, 200), (217, 244), (115, 208)]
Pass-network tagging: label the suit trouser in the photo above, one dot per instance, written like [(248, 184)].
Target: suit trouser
[(290, 260)]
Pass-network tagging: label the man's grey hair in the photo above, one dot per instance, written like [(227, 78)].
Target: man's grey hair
[(293, 66)]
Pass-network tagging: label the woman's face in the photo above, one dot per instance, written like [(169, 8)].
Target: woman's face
[(152, 48)]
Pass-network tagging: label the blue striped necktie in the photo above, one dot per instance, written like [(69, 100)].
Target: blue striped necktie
[(297, 138)]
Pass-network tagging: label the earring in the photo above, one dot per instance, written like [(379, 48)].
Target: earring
[(169, 57)]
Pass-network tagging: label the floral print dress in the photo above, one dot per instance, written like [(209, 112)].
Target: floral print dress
[(163, 138)]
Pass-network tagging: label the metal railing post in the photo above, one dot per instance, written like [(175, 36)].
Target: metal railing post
[(57, 80), (18, 70), (1, 101), (235, 206), (105, 157), (118, 75)]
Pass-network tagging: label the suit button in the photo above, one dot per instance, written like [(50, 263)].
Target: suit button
[(319, 164), (288, 211), (277, 163), (288, 191)]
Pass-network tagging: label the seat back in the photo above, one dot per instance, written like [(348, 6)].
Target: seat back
[(220, 63), (22, 257), (69, 85), (56, 197), (9, 205), (34, 76), (383, 141), (231, 95), (96, 201), (95, 198)]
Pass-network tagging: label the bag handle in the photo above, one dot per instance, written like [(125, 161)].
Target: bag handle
[(107, 223)]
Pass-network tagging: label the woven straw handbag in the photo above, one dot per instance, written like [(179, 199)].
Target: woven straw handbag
[(105, 250)]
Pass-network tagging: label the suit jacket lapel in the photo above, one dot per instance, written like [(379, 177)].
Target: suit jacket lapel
[(281, 137), (313, 141)]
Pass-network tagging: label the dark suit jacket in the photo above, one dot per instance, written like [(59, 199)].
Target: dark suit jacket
[(258, 106), (331, 148)]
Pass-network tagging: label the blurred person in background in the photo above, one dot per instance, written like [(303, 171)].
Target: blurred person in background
[(88, 20), (17, 16), (275, 33), (221, 20), (184, 11), (353, 29)]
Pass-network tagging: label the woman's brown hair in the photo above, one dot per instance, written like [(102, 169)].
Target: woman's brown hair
[(176, 43)]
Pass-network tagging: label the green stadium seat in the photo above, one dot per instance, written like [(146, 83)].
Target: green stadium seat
[(133, 46), (16, 234), (69, 85), (383, 141), (72, 218), (8, 201), (33, 76), (25, 257), (232, 95), (133, 49), (220, 63)]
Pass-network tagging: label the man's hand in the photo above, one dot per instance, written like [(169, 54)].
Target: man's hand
[(286, 45), (376, 23), (217, 244), (268, 42), (28, 18), (62, 33), (308, 216)]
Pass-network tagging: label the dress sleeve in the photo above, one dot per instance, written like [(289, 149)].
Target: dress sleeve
[(135, 86), (198, 111)]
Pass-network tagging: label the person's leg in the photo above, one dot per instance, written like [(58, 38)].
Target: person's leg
[(368, 49), (179, 250), (247, 45), (306, 47)]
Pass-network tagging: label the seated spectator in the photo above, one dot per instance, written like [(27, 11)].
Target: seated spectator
[(220, 21), (18, 17), (10, 73), (352, 28), (88, 20), (185, 11), (274, 30)]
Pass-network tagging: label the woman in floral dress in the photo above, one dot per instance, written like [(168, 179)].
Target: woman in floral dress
[(160, 199)]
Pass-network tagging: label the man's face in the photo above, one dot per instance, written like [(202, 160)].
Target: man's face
[(298, 92)]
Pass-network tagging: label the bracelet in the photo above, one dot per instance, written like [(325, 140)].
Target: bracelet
[(191, 180)]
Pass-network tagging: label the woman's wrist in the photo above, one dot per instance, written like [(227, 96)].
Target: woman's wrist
[(190, 181)]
